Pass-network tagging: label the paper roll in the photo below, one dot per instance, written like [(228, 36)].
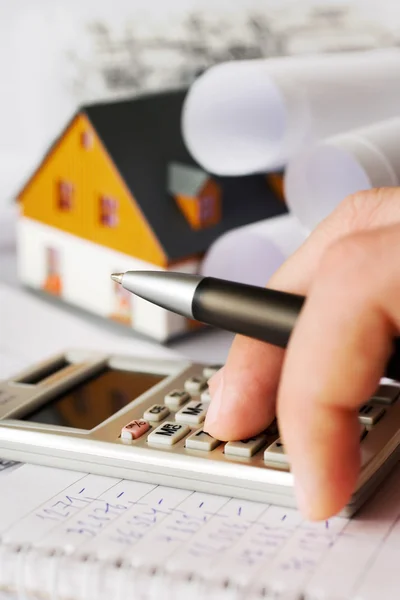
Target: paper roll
[(321, 177), (251, 254), (253, 116)]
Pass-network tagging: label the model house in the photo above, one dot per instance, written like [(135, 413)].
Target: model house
[(118, 190)]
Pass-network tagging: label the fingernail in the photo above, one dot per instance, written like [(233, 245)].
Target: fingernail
[(215, 404)]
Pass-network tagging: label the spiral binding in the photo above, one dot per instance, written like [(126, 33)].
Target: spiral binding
[(34, 573)]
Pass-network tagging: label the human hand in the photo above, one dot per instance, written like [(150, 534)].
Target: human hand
[(349, 271)]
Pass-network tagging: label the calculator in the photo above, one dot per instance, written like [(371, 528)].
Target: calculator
[(141, 419)]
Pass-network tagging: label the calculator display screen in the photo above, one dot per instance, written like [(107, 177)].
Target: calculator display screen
[(92, 401)]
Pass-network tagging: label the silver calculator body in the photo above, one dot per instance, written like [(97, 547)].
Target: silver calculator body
[(142, 419)]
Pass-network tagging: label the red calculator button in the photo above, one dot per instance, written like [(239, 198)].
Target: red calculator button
[(134, 429)]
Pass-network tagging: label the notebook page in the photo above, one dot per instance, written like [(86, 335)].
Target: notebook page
[(253, 545), (382, 578), (259, 545), (63, 506), (87, 523), (227, 528), (27, 488), (122, 534), (358, 544), (291, 567)]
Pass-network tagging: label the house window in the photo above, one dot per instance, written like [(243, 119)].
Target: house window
[(53, 279), (87, 139), (108, 211), (65, 195), (206, 209)]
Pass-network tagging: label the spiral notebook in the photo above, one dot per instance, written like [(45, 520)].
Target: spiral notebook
[(72, 536)]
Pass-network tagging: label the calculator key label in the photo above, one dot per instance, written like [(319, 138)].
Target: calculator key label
[(275, 453), (157, 412), (245, 448), (194, 412), (168, 433), (200, 440), (176, 398), (134, 429)]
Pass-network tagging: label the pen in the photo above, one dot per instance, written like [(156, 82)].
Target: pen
[(261, 313)]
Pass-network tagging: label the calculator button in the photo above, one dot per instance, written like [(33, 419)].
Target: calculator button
[(157, 412), (205, 396), (195, 385), (386, 394), (168, 433), (245, 448), (134, 429), (200, 440), (194, 412), (275, 453), (209, 371), (176, 398), (370, 414)]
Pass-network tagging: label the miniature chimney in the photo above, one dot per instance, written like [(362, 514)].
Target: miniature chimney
[(197, 194)]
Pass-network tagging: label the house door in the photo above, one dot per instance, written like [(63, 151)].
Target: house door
[(53, 281)]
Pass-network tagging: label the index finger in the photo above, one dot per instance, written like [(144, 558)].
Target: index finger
[(243, 394)]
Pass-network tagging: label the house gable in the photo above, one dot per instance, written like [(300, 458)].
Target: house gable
[(143, 136), (78, 190)]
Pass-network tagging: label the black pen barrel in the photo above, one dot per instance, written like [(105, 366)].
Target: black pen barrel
[(261, 313)]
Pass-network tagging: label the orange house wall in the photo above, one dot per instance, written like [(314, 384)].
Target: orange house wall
[(190, 207), (212, 188), (93, 174)]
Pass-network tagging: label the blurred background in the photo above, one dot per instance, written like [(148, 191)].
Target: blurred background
[(57, 54)]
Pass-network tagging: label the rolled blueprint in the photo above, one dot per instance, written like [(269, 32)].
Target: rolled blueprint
[(251, 116), (321, 177), (251, 254)]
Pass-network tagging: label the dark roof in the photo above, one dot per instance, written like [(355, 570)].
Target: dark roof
[(142, 136)]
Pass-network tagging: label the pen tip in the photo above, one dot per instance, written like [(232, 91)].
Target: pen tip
[(117, 277)]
